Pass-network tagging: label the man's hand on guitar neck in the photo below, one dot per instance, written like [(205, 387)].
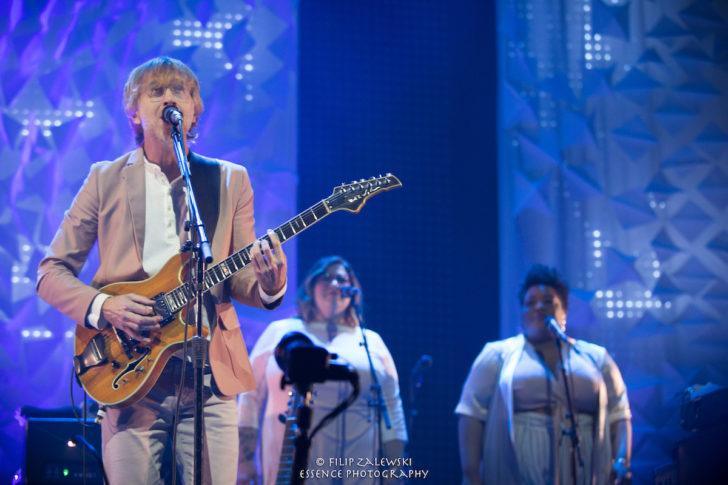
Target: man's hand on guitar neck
[(132, 314), (270, 265)]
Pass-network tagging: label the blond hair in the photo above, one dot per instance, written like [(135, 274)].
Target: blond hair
[(163, 68)]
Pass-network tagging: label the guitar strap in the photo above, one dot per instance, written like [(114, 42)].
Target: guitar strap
[(205, 174)]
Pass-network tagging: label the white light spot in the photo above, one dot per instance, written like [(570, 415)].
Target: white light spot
[(248, 67), (610, 314), (36, 333), (68, 334), (47, 334), (610, 304), (597, 254), (228, 65), (609, 293), (248, 97), (176, 42), (25, 333), (239, 77), (218, 45), (599, 293), (620, 314)]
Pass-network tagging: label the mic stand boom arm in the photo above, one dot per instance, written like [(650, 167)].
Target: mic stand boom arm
[(202, 254)]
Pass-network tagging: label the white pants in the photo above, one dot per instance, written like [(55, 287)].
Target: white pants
[(137, 439)]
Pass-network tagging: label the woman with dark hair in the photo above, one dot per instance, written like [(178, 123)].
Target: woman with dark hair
[(513, 407), (329, 318)]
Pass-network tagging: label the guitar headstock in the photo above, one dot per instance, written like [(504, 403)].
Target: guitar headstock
[(353, 196)]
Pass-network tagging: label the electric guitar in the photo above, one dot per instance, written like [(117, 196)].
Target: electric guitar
[(117, 370)]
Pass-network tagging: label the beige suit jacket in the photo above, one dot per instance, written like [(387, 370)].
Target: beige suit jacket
[(110, 209)]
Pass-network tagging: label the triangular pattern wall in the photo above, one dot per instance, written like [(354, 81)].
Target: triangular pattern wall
[(613, 126)]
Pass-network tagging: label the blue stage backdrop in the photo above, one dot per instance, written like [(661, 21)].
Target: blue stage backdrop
[(63, 67), (614, 167)]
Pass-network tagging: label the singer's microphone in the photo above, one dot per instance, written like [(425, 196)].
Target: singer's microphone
[(556, 329), (349, 291), (172, 115)]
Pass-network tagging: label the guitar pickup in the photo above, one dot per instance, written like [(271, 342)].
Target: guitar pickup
[(161, 308), (94, 354)]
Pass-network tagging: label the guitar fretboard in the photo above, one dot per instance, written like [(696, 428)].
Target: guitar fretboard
[(285, 464), (183, 294)]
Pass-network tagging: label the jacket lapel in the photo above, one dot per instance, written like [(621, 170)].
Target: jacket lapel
[(133, 176)]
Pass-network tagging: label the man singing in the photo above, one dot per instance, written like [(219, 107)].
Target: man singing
[(135, 208)]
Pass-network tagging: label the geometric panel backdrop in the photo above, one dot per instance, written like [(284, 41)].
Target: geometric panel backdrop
[(63, 67), (613, 124)]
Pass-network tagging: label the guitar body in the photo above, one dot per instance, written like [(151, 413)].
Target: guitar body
[(117, 370), (130, 368)]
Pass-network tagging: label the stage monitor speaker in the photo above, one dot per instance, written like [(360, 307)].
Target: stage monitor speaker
[(50, 457)]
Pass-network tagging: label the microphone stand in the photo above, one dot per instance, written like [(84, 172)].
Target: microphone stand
[(375, 387), (201, 255), (573, 433)]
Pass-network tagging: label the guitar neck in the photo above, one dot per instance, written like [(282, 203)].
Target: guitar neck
[(349, 197), (288, 451), (225, 269)]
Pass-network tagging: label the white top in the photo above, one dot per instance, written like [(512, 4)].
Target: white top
[(351, 434), (488, 395)]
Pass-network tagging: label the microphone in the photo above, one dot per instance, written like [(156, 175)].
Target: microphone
[(349, 291), (172, 115), (556, 329), (424, 363), (418, 370)]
